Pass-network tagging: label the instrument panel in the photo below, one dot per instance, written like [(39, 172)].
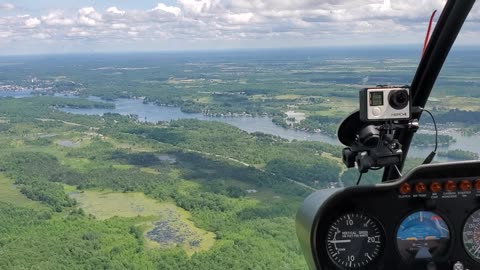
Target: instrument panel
[(428, 219)]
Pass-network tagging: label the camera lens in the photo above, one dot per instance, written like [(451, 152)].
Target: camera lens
[(399, 99)]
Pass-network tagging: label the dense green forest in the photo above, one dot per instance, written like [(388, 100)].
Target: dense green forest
[(460, 155), (421, 139), (217, 197), (209, 168)]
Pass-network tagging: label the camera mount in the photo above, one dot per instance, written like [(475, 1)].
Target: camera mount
[(372, 145)]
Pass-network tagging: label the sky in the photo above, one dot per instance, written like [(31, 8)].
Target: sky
[(76, 26)]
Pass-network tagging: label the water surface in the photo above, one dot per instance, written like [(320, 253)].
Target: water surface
[(154, 113)]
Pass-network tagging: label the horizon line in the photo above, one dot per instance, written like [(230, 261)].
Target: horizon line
[(412, 46)]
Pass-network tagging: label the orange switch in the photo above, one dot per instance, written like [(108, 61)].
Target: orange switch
[(477, 185), (465, 185), (450, 186), (420, 187), (405, 188), (435, 187)]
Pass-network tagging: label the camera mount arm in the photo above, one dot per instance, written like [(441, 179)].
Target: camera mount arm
[(372, 145)]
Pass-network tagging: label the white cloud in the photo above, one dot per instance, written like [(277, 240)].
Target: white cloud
[(89, 12), (198, 6), (57, 18), (217, 22), (132, 33), (115, 10), (173, 10), (41, 36), (5, 34), (32, 22), (78, 32), (86, 21), (7, 6), (88, 16), (241, 18), (119, 26)]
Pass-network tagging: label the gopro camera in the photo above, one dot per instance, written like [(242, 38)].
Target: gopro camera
[(385, 103)]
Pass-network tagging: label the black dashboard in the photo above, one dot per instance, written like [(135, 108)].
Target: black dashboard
[(428, 219)]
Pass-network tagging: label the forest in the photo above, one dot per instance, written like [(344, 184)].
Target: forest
[(113, 192), (460, 155), (209, 179)]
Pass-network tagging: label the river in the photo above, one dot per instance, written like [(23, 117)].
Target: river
[(154, 113), (16, 94)]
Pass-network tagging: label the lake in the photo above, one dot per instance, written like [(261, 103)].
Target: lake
[(154, 113), (16, 94)]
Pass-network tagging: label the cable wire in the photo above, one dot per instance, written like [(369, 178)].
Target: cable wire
[(359, 179), (398, 170)]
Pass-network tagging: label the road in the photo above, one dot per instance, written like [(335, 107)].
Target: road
[(215, 155)]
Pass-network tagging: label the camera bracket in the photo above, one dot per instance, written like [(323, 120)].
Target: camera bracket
[(372, 145)]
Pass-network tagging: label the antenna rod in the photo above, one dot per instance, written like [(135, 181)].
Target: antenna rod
[(427, 37)]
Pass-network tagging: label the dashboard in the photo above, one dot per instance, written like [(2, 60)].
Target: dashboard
[(428, 219)]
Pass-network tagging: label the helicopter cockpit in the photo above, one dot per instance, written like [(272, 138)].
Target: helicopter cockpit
[(426, 219)]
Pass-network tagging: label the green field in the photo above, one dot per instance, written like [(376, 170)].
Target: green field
[(461, 103), (169, 225), (10, 193)]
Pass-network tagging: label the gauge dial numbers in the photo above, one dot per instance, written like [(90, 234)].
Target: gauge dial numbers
[(354, 240), (471, 235), (423, 235)]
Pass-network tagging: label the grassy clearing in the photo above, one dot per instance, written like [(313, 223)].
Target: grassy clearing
[(69, 189), (10, 193), (334, 106), (149, 170), (205, 100), (169, 226), (105, 205), (123, 166), (264, 195), (79, 164), (462, 103), (330, 156), (288, 97)]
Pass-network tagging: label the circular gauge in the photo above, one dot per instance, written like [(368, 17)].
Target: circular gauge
[(354, 240), (423, 236), (471, 235)]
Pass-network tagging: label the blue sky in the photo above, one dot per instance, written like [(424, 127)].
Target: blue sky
[(48, 26)]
